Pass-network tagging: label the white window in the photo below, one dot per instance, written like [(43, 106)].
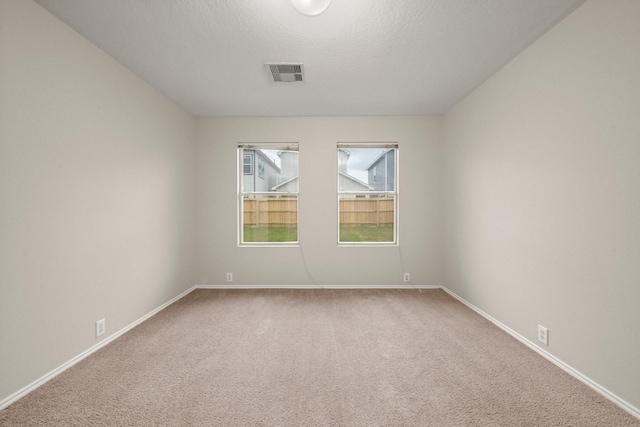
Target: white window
[(268, 203), (247, 164), (367, 193)]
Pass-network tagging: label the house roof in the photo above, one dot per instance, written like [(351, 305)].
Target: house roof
[(275, 187), (354, 179)]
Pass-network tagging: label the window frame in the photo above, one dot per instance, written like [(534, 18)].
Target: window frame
[(242, 194), (395, 194)]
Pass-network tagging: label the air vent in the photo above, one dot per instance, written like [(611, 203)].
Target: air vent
[(285, 72)]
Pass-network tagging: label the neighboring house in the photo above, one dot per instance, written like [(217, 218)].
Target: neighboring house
[(343, 158), (347, 182), (260, 172), (288, 179), (381, 172)]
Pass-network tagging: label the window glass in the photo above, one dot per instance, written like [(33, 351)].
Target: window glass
[(367, 193), (268, 199)]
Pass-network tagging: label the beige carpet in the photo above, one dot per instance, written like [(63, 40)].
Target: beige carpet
[(318, 358)]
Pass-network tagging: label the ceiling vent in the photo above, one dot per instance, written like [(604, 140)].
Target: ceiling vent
[(285, 72)]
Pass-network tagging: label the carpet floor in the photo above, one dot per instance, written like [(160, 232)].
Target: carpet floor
[(321, 357)]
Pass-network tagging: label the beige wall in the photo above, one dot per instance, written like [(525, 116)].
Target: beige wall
[(542, 190), (328, 264), (96, 195)]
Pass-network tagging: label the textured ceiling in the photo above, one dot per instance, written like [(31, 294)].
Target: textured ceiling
[(361, 57)]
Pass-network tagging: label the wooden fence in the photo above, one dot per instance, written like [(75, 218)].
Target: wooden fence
[(271, 212), (366, 212), (283, 212)]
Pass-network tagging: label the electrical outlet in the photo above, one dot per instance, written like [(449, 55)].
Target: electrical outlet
[(543, 335), (101, 327), (229, 277), (406, 278)]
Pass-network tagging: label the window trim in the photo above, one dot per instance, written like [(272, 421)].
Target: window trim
[(291, 146), (395, 193)]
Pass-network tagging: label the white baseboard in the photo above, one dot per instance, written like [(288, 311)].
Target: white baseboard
[(57, 371), (403, 286), (562, 365)]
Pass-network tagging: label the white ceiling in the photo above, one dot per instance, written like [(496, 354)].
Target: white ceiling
[(361, 57)]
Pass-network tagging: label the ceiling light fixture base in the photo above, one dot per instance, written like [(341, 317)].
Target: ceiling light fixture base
[(311, 7)]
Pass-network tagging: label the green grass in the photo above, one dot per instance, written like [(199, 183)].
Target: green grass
[(290, 234), (270, 234), (366, 234)]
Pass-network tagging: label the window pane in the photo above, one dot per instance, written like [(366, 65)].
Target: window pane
[(268, 199), (367, 219), (269, 218), (367, 193), (277, 170), (366, 169)]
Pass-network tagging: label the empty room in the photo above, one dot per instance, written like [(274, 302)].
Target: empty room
[(320, 212)]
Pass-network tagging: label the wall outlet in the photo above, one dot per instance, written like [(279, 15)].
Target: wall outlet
[(406, 277), (543, 335), (229, 277), (101, 327)]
